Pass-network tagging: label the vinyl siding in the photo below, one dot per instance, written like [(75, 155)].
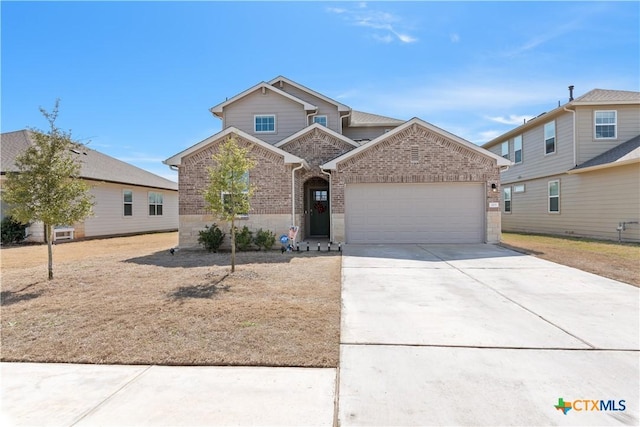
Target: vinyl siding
[(108, 218), (592, 204), (324, 108), (365, 132), (535, 163), (628, 123), (290, 115)]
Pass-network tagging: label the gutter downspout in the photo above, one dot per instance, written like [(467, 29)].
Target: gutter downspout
[(311, 114), (330, 205), (343, 117), (293, 193), (575, 149)]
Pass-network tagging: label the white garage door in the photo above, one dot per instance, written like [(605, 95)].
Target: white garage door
[(415, 213)]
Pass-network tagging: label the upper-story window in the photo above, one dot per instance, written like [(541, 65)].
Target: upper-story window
[(517, 149), (504, 149), (605, 122), (320, 119), (550, 138), (265, 123)]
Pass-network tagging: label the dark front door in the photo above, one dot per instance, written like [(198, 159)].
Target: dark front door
[(319, 211)]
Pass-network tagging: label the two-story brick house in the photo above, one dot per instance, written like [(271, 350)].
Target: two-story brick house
[(343, 174), (576, 168)]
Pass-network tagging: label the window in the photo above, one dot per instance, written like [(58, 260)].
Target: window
[(265, 123), (155, 204), (227, 197), (517, 149), (518, 188), (550, 138), (605, 124), (505, 149), (320, 195), (507, 199), (554, 196), (127, 199), (320, 119)]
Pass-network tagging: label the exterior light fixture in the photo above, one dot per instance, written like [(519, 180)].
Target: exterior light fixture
[(494, 188)]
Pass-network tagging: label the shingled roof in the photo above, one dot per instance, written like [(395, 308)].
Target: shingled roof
[(95, 165), (362, 119), (627, 152)]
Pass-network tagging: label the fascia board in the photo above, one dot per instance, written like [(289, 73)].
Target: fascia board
[(217, 109), (341, 107)]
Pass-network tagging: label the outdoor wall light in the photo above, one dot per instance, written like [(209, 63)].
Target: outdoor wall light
[(494, 188)]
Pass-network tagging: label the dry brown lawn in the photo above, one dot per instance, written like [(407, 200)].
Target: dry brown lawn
[(619, 261), (129, 301)]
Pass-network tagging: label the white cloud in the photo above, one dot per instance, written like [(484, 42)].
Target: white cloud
[(512, 119), (454, 37), (385, 23)]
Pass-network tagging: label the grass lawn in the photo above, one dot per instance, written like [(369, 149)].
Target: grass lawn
[(619, 261), (129, 301)]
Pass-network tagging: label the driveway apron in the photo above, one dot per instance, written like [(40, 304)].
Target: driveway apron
[(481, 335)]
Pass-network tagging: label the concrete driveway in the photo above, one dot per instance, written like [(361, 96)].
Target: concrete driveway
[(481, 335)]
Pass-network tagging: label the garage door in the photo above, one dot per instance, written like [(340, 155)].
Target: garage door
[(415, 213)]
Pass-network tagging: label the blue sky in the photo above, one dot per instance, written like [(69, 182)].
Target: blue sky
[(136, 79)]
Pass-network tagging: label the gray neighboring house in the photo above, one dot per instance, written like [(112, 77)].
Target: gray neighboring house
[(128, 200), (576, 169)]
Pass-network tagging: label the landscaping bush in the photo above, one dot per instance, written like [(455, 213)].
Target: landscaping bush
[(211, 238), (264, 239), (12, 231), (244, 238)]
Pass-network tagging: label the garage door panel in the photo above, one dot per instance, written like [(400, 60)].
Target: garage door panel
[(415, 213)]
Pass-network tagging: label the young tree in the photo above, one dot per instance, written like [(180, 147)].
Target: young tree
[(46, 186), (228, 193)]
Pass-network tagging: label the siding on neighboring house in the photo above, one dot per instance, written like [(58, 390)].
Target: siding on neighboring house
[(628, 126), (592, 204), (290, 115), (109, 219)]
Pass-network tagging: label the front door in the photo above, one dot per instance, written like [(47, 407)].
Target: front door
[(319, 211)]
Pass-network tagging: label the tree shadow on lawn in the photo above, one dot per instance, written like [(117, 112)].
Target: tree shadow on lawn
[(14, 297), (201, 258)]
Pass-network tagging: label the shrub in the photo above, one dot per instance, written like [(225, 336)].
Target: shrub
[(211, 238), (244, 238), (264, 239), (12, 231)]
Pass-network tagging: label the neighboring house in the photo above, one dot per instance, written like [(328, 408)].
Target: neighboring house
[(345, 175), (128, 200), (576, 169)]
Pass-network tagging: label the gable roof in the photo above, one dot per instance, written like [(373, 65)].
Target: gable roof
[(362, 119), (95, 166), (593, 97), (623, 154), (501, 161), (217, 109), (341, 107), (321, 128), (176, 159)]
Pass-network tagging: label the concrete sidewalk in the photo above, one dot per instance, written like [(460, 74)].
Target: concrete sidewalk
[(480, 335), (85, 395)]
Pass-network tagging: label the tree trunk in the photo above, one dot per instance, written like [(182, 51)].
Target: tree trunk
[(48, 230), (233, 246)]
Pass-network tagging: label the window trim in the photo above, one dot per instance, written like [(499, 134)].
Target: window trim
[(519, 188), (275, 123), (545, 139), (507, 191), (326, 120), (504, 154), (614, 124), (125, 203), (549, 196), (149, 204), (515, 150)]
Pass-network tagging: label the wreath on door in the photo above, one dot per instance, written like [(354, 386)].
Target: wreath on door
[(320, 207)]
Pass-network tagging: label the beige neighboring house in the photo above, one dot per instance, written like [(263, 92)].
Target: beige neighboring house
[(128, 200), (343, 174), (576, 169)]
